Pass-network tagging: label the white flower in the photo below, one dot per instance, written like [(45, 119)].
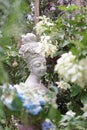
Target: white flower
[(46, 47), (8, 95), (85, 108), (43, 25), (84, 115), (85, 111), (71, 113), (7, 99), (68, 116), (47, 120), (30, 17), (63, 85), (71, 70)]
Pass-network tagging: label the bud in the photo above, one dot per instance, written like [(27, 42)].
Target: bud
[(15, 64)]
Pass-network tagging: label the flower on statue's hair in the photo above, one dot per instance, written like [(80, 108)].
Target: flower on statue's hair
[(48, 125), (43, 25), (46, 46)]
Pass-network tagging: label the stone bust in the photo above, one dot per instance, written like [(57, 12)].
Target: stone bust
[(36, 62)]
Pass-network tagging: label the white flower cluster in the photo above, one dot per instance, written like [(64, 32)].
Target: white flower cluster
[(8, 95), (73, 120), (68, 116), (63, 85), (31, 15), (71, 70), (46, 47), (43, 25)]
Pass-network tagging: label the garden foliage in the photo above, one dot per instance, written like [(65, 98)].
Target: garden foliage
[(64, 43)]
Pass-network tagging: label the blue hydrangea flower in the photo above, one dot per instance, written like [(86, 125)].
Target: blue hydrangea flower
[(41, 100), (22, 97), (48, 125), (32, 99), (32, 108)]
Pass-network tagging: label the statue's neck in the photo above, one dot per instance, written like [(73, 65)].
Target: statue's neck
[(33, 79)]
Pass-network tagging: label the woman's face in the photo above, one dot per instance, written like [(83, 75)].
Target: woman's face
[(38, 67)]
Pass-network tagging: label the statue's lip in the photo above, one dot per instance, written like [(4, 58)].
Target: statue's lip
[(44, 71)]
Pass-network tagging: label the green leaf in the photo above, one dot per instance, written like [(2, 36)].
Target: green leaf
[(84, 97), (17, 104), (69, 9), (84, 40), (74, 51), (6, 128), (75, 90), (2, 114), (65, 43), (54, 114), (3, 77), (0, 91)]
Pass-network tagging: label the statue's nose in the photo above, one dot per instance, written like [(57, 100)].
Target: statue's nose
[(43, 68)]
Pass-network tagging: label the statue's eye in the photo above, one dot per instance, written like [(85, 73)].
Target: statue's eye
[(38, 65)]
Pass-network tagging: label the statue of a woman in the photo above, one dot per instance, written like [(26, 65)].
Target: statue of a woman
[(36, 62), (35, 97)]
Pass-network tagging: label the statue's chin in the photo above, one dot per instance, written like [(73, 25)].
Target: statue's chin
[(41, 74)]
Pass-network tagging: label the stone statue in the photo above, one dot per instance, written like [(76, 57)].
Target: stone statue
[(36, 62), (33, 94)]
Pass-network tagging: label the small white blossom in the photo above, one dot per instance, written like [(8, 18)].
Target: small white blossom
[(71, 113), (84, 115), (68, 116), (30, 17), (63, 85), (85, 108), (8, 93), (43, 25), (85, 111), (46, 47)]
